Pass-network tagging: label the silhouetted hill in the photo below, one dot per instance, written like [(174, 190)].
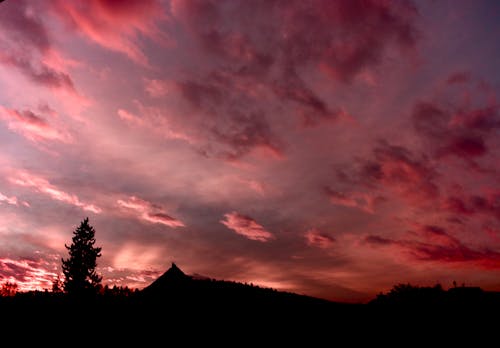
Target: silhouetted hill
[(217, 311), (172, 278), (175, 289)]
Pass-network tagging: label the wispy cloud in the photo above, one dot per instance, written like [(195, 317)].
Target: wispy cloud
[(9, 200), (29, 46), (434, 243), (318, 239), (148, 212), (27, 273), (43, 186), (32, 126), (246, 226), (115, 25)]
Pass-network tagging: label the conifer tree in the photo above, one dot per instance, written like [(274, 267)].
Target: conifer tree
[(80, 275)]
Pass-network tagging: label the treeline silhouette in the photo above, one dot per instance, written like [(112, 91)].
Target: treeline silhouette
[(177, 301), (214, 309), (431, 296)]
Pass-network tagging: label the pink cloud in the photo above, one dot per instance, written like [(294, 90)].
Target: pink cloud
[(130, 118), (156, 121), (29, 274), (9, 200), (318, 239), (156, 88), (25, 44), (130, 277), (246, 226), (43, 186), (149, 212), (32, 126), (115, 25)]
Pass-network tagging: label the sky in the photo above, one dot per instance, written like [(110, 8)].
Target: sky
[(329, 148)]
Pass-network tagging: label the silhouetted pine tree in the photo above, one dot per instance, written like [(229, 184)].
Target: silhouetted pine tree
[(80, 276)]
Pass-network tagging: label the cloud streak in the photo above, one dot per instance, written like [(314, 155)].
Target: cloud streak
[(43, 186), (29, 274), (149, 212), (246, 226), (318, 239), (32, 126), (114, 25), (9, 200), (436, 244), (26, 45)]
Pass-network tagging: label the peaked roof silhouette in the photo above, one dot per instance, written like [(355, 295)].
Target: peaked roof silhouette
[(171, 278)]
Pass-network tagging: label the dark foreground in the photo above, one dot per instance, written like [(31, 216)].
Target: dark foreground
[(229, 314), (179, 311)]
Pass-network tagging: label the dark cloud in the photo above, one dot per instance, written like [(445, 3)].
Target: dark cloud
[(244, 133), (394, 168), (200, 95), (18, 18), (32, 126), (344, 37), (458, 78), (457, 206), (434, 243), (26, 43), (231, 124), (43, 75), (485, 119), (258, 51), (455, 132), (377, 240), (27, 116), (312, 109), (400, 165), (466, 147), (475, 204)]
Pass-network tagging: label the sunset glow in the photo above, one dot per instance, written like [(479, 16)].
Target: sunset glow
[(330, 148)]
